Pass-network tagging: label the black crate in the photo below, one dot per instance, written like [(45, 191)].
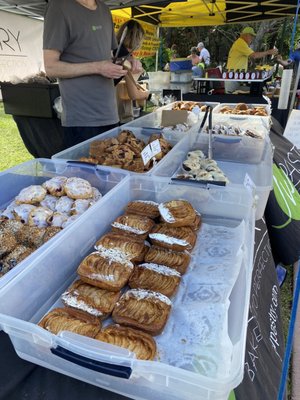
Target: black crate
[(29, 99)]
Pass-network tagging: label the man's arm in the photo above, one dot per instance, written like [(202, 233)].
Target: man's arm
[(261, 54), (60, 69)]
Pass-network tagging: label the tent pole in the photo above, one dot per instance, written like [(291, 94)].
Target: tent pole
[(156, 55)]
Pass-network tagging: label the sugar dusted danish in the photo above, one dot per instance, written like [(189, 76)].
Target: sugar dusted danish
[(133, 224), (174, 238), (108, 269), (134, 248), (173, 259), (60, 319), (55, 186), (143, 309), (39, 217), (158, 278), (78, 188), (31, 194), (84, 299), (138, 342), (143, 207), (177, 212)]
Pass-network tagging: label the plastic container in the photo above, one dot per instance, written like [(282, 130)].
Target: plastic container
[(37, 171), (181, 76), (179, 64), (267, 107), (29, 99), (260, 174), (82, 149), (222, 340), (159, 80)]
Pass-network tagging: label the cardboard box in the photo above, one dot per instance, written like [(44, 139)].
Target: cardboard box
[(29, 99), (173, 117)]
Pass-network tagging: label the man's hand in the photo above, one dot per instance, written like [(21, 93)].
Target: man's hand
[(110, 70), (272, 52)]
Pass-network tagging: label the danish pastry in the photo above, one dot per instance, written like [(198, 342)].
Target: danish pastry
[(80, 206), (134, 224), (55, 186), (31, 194), (78, 188), (60, 319), (143, 207), (177, 212), (143, 309), (138, 342), (85, 299), (175, 238), (57, 219), (108, 269), (21, 212), (173, 259), (49, 202), (64, 205), (134, 248), (39, 217), (158, 278)]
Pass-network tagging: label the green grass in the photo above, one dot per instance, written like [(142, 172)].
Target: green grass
[(12, 148)]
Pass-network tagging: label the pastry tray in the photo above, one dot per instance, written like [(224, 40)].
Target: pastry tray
[(208, 322)]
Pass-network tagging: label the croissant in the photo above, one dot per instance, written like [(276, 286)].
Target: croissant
[(90, 302), (174, 238), (59, 319), (133, 248), (177, 212), (140, 343), (133, 224), (108, 269), (158, 278), (173, 259), (143, 309), (143, 207)]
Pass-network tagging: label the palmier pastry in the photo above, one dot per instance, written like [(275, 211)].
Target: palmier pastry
[(138, 342), (177, 212), (158, 278), (108, 269), (92, 301), (174, 238), (143, 309), (55, 185), (134, 224), (78, 188), (143, 207), (31, 195), (173, 259), (60, 319), (134, 248)]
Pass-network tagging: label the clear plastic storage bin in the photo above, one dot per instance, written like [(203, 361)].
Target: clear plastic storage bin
[(236, 170), (35, 172), (82, 149), (266, 119), (201, 350)]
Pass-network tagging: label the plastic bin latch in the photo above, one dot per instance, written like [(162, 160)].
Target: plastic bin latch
[(119, 371)]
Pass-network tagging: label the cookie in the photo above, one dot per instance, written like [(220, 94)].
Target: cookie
[(78, 188), (31, 195), (55, 186)]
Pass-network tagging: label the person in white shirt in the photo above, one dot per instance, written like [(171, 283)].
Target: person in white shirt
[(204, 54)]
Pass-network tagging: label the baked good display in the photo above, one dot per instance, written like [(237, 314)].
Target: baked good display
[(60, 319), (177, 212), (108, 269), (158, 278), (138, 342), (21, 212), (173, 259), (229, 130), (39, 217), (244, 109), (31, 195), (78, 188), (64, 205), (133, 247), (55, 186), (143, 309), (147, 208), (88, 301), (124, 151), (198, 167), (137, 225), (188, 105)]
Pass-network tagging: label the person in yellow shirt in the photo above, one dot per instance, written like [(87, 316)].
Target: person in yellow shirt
[(239, 55)]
